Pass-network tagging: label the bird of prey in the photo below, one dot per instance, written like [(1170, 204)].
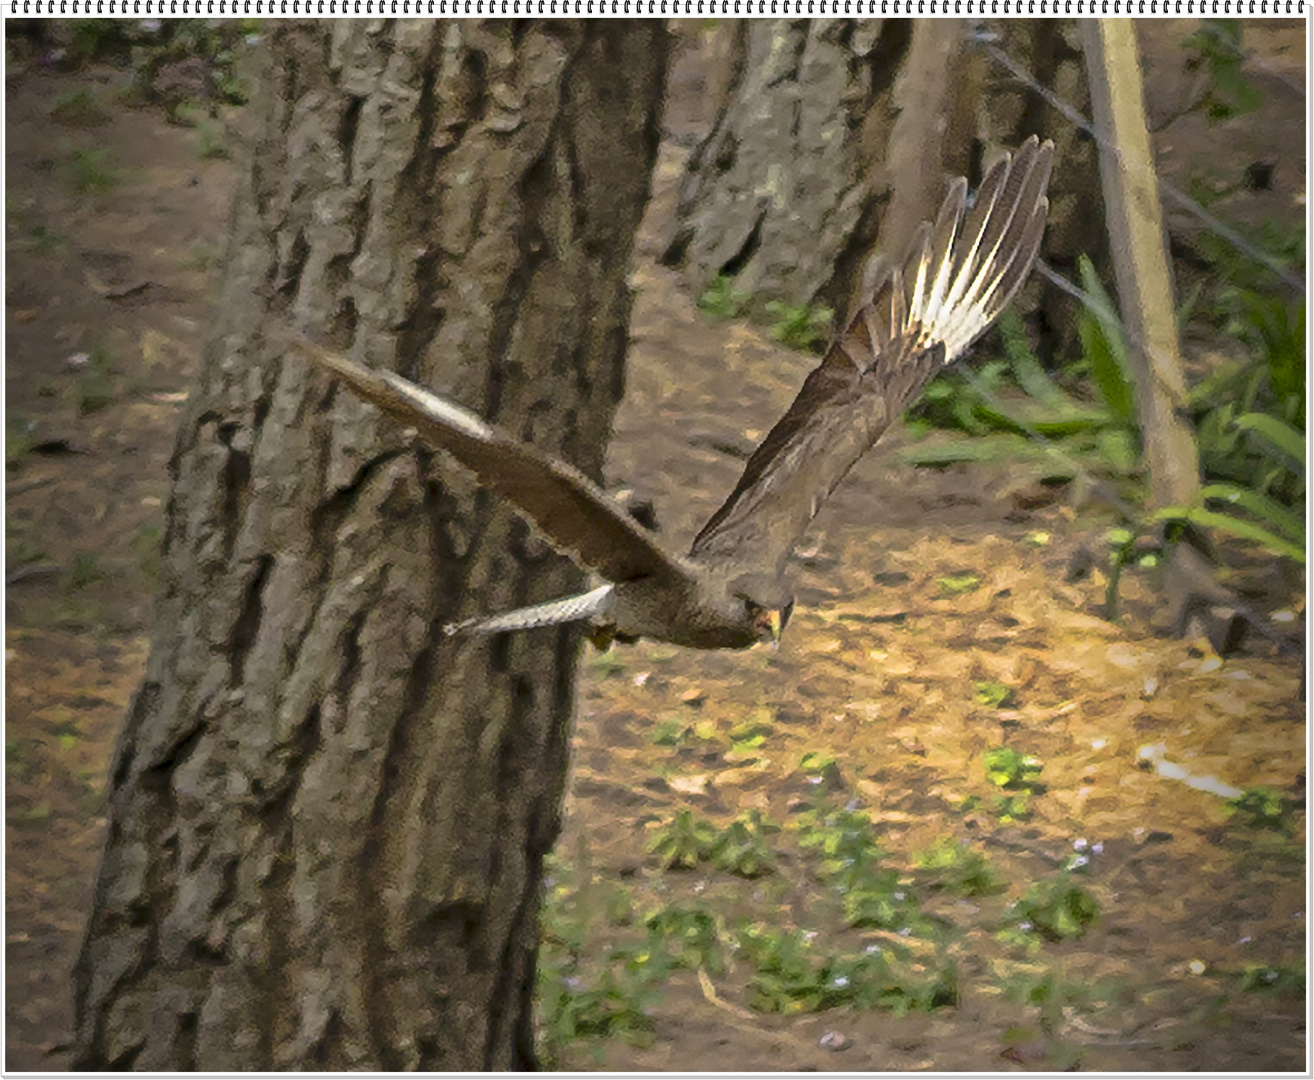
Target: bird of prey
[(731, 590)]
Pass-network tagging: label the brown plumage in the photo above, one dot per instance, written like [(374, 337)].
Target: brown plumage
[(731, 590)]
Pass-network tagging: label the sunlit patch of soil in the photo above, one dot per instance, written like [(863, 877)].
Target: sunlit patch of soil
[(887, 685)]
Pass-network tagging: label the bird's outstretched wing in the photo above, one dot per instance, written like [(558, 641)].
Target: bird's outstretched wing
[(958, 277), (570, 510)]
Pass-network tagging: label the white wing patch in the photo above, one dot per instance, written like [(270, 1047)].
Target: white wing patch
[(584, 606), (962, 285), (445, 412)]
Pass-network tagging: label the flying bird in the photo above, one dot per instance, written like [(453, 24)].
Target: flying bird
[(732, 589)]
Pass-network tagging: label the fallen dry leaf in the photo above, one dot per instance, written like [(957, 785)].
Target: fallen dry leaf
[(689, 785)]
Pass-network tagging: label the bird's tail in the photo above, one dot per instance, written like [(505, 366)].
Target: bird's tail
[(584, 606), (961, 272)]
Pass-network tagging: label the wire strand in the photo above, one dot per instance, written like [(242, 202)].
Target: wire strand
[(986, 40), (980, 37)]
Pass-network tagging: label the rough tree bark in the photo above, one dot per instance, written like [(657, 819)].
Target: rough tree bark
[(1003, 112), (836, 138), (327, 821), (786, 192)]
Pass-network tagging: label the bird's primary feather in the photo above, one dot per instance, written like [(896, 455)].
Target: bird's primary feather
[(919, 314)]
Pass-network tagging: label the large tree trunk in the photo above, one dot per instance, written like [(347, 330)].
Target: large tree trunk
[(327, 820)]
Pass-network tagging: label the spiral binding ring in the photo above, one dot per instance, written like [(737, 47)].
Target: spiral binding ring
[(653, 8)]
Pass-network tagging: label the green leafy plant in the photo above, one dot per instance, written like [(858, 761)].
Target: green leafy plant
[(76, 108), (973, 405), (204, 255), (222, 47), (840, 837), (19, 439), (668, 732), (1216, 48), (1262, 808), (722, 300), (1283, 980), (101, 39), (807, 329), (744, 848), (1105, 348), (44, 242), (872, 894), (607, 665), (958, 584), (89, 171), (792, 976), (84, 571), (1007, 768), (1121, 543), (1254, 513), (587, 992), (994, 694), (684, 842), (210, 140), (959, 869), (22, 552), (1058, 910), (1277, 329), (146, 541), (689, 936), (613, 1002), (821, 768), (751, 734), (1016, 774)]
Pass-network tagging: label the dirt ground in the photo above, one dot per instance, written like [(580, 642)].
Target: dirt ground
[(107, 298)]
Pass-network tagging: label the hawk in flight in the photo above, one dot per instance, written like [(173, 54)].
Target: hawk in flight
[(731, 590)]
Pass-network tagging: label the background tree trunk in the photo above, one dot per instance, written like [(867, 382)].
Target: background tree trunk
[(785, 193), (836, 138), (1003, 112), (327, 821)]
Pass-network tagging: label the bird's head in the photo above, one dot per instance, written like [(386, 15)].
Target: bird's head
[(768, 603)]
